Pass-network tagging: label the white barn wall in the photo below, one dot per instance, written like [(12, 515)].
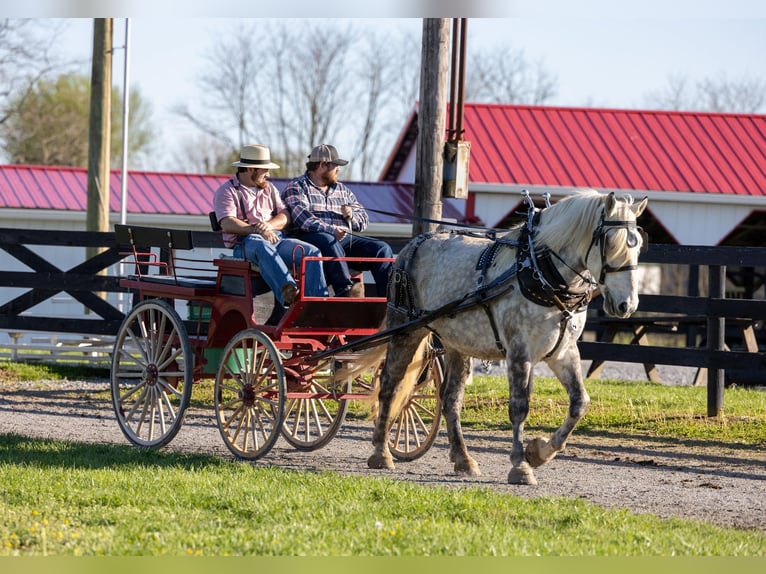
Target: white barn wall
[(64, 305)]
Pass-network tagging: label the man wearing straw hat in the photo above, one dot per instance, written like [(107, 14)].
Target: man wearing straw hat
[(252, 217)]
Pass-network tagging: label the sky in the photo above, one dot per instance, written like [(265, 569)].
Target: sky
[(602, 53)]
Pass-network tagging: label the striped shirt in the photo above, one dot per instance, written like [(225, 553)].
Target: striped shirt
[(315, 210)]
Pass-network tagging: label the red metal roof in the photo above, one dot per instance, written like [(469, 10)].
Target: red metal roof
[(65, 188), (610, 149)]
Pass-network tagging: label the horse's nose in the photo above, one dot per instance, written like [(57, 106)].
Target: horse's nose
[(624, 307)]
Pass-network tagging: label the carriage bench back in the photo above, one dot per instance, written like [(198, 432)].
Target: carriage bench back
[(170, 268)]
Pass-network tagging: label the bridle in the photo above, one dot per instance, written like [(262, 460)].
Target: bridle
[(599, 236)]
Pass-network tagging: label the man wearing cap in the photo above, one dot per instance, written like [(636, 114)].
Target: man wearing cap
[(252, 217), (327, 214)]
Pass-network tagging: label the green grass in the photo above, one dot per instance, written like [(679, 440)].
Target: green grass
[(19, 371), (61, 498), (634, 407)]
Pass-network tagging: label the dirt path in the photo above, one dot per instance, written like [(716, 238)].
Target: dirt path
[(724, 484)]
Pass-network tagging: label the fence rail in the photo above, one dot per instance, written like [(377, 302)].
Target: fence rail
[(85, 280)]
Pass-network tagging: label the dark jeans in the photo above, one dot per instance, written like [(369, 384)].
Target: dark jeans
[(336, 272)]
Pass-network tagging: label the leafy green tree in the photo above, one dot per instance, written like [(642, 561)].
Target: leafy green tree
[(50, 125)]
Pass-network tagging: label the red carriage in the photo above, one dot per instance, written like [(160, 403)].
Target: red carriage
[(275, 373)]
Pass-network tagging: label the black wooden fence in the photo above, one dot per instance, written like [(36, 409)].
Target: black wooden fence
[(44, 279)]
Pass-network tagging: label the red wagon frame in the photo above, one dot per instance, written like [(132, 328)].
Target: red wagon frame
[(274, 375)]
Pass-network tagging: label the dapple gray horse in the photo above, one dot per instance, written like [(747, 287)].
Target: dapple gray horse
[(524, 298)]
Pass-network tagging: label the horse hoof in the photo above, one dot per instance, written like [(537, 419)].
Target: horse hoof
[(538, 452), (522, 474), (380, 461), (467, 468)]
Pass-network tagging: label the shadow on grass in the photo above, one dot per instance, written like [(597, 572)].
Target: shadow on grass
[(16, 449)]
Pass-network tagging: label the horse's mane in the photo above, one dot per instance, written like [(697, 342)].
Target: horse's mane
[(573, 220)]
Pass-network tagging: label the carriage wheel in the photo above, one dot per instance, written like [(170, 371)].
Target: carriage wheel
[(416, 427), (310, 423), (151, 378), (249, 394)]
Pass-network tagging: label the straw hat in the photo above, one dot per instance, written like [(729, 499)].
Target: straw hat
[(257, 156)]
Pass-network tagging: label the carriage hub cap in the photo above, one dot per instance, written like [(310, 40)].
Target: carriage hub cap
[(248, 395), (151, 375)]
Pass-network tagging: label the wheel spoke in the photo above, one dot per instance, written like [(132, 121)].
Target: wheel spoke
[(152, 370), (249, 395)]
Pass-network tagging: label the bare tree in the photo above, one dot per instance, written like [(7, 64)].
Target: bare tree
[(229, 87), (206, 154), (294, 84), (279, 85), (504, 75), (745, 95), (26, 56)]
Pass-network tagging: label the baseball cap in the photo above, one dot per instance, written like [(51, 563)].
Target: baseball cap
[(328, 153)]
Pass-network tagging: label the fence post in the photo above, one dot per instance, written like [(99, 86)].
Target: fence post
[(716, 331)]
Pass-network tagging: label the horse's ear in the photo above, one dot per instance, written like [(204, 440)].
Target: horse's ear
[(638, 209), (610, 203)]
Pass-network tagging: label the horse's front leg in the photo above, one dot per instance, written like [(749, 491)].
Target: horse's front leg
[(569, 372), (458, 369), (519, 389)]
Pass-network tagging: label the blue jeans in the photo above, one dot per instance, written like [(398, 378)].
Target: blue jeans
[(273, 260), (357, 246)]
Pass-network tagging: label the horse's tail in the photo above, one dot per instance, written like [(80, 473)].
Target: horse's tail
[(368, 359), (408, 382)]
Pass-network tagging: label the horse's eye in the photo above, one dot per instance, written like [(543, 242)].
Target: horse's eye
[(632, 238)]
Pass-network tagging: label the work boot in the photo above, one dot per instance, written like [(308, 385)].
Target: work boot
[(289, 292), (357, 290)]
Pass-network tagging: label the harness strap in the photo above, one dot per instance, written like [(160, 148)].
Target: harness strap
[(493, 324)]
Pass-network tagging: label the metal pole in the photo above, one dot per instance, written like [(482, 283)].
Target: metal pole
[(461, 81), (716, 333), (125, 115)]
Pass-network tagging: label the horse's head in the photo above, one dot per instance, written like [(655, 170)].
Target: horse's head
[(617, 241)]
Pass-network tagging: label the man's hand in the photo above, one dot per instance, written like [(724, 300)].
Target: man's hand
[(340, 233), (270, 236), (264, 230), (346, 211)]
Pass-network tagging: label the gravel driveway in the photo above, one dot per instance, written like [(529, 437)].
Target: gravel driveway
[(724, 484)]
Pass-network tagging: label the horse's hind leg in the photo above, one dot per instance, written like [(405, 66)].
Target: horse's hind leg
[(400, 353), (540, 451), (458, 368), (519, 388)]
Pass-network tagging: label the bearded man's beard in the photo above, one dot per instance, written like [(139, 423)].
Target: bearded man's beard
[(331, 178), (260, 184)]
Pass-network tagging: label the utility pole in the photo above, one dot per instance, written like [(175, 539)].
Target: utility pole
[(99, 127), (99, 132), (432, 120)]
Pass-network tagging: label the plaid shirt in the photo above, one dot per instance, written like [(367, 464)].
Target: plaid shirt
[(314, 210)]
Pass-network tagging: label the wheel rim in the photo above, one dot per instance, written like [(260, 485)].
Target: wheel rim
[(415, 429), (151, 377), (250, 394), (310, 423)]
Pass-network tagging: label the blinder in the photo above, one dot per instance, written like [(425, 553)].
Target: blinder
[(600, 236)]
